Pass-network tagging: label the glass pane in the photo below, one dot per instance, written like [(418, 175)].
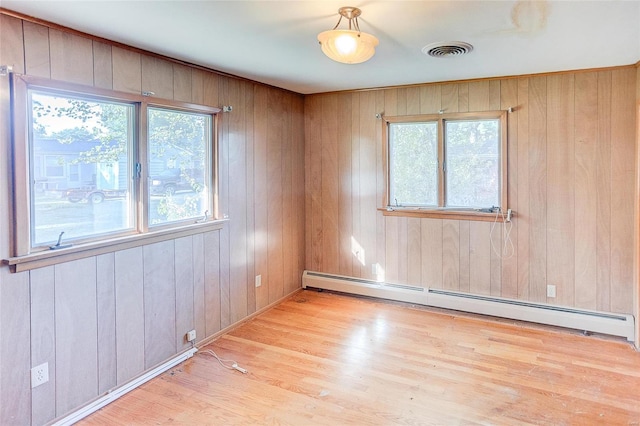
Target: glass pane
[(80, 167), (413, 164), (178, 152), (472, 151)]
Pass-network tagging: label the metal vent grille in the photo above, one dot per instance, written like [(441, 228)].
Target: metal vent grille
[(450, 48)]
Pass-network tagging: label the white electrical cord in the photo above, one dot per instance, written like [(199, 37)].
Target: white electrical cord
[(233, 366), (507, 247)]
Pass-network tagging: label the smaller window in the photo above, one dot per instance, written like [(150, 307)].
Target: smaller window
[(446, 163)]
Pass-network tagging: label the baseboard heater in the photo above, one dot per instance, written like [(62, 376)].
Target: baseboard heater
[(585, 320), (116, 393)]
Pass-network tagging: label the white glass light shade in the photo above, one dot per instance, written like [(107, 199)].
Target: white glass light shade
[(347, 46)]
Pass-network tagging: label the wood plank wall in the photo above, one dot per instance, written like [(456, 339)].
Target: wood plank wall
[(103, 320), (571, 184)]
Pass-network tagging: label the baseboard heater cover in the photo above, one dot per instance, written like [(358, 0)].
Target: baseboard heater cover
[(120, 391), (591, 321)]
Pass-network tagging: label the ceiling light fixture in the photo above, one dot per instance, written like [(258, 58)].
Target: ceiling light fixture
[(350, 46)]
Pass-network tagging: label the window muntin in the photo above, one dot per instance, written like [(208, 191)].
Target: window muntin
[(465, 161), (178, 149), (70, 134)]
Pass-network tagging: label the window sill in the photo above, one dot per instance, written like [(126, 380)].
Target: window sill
[(440, 214), (80, 251)]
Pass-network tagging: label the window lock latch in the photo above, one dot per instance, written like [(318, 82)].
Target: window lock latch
[(138, 171)]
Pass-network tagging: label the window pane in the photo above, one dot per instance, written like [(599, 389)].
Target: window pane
[(178, 152), (80, 167), (472, 151), (413, 165)]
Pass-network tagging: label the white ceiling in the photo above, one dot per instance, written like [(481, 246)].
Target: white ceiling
[(275, 41)]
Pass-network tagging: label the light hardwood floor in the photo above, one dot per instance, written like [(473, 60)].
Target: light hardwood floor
[(322, 358)]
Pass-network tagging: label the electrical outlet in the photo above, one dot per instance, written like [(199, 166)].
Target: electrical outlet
[(551, 291), (191, 336), (374, 269), (258, 280), (39, 375)]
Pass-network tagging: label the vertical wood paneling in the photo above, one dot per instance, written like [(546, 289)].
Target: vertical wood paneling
[(523, 213), (431, 251), (463, 97), (249, 213), (76, 331), (127, 70), (117, 314), (464, 264), (450, 98), (497, 251), (430, 99), (451, 254), (345, 210), (237, 205), (391, 241), (538, 189), (43, 336), (15, 377), (586, 208), (36, 50), (102, 66), (212, 282), (380, 185), (479, 257), (603, 193), (560, 187), (508, 285), (261, 195), (129, 314), (275, 259), (355, 182), (199, 313), (159, 302), (197, 86), (479, 96), (184, 288), (623, 130), (287, 199), (12, 46), (330, 182), (368, 196), (182, 90), (414, 251), (71, 57), (106, 305), (157, 77)]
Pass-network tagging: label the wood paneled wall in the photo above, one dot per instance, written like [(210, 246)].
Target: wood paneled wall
[(571, 184), (103, 320)]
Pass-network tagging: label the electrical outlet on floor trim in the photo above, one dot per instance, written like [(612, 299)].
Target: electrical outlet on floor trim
[(39, 375), (258, 280), (191, 336), (551, 290)]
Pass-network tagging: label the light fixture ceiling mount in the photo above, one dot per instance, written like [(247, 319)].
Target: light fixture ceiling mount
[(350, 46)]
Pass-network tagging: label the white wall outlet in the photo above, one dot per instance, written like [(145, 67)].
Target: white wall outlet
[(551, 291), (191, 336), (374, 269), (39, 375), (258, 280)]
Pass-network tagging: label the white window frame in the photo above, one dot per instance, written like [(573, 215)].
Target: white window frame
[(24, 255), (441, 210)]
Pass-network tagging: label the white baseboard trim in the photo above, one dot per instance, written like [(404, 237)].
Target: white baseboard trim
[(579, 319), (120, 391)]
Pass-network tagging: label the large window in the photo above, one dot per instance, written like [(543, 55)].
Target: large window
[(93, 165), (446, 163)]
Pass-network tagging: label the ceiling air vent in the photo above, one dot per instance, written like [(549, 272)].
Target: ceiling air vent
[(446, 49)]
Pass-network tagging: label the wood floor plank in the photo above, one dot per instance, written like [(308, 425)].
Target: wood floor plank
[(323, 358)]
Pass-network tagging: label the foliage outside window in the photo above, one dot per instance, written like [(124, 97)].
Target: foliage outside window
[(446, 163), (89, 171)]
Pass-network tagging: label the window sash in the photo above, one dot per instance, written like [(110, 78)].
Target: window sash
[(442, 119), (23, 171)]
